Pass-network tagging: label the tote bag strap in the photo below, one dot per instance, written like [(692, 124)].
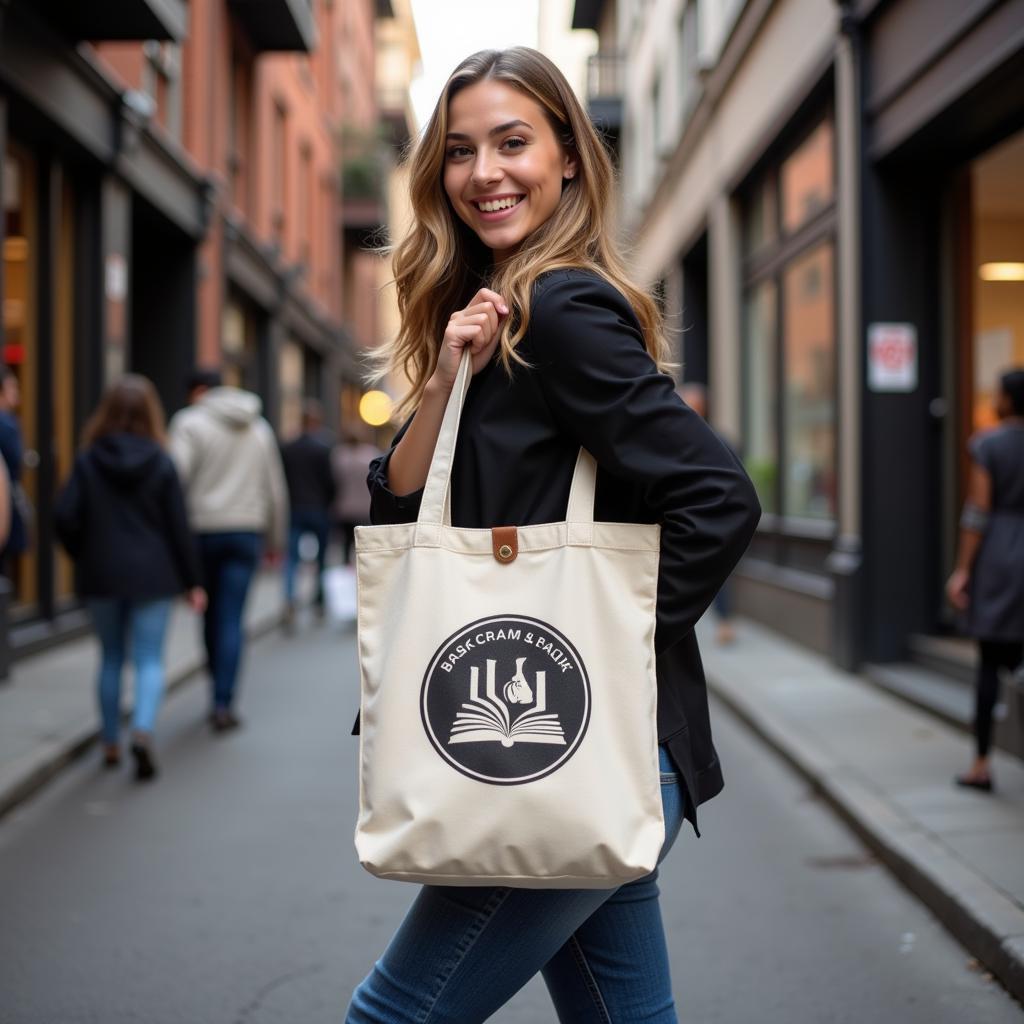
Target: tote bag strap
[(435, 506)]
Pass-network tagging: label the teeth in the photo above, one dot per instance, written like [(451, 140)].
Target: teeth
[(499, 204)]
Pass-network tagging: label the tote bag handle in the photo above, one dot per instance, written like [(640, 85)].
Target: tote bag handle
[(435, 507)]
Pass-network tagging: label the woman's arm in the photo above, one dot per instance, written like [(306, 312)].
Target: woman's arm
[(605, 391), (977, 506)]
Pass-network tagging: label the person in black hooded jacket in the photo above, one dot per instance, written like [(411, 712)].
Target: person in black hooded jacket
[(121, 516)]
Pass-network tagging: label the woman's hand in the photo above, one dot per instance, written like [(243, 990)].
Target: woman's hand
[(957, 589), (477, 327), (197, 600)]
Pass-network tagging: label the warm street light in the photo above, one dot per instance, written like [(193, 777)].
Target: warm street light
[(1001, 271), (375, 408)]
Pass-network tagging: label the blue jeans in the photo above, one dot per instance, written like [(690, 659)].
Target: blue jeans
[(144, 623), (463, 952), (306, 520), (229, 562)]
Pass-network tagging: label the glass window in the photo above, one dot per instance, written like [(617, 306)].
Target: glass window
[(810, 413), (759, 222), (760, 438), (806, 178)]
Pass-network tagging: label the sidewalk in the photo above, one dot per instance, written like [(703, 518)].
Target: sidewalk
[(887, 768), (48, 706)]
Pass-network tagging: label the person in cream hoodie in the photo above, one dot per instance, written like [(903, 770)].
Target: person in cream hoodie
[(230, 467)]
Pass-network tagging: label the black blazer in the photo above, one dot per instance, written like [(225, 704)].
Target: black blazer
[(121, 516), (591, 383)]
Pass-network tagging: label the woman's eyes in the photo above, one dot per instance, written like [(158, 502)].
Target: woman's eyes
[(513, 143)]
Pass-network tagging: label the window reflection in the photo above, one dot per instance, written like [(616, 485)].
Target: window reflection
[(806, 179), (808, 333)]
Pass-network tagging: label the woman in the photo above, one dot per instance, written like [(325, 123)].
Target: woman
[(511, 255), (988, 582), (121, 516)]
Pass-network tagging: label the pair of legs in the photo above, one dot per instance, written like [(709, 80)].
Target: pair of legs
[(143, 626), (994, 656), (316, 522), (230, 560), (463, 952)]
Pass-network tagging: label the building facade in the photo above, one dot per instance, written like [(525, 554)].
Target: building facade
[(828, 195), (174, 194)]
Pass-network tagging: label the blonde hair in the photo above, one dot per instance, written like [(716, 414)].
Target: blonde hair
[(441, 263)]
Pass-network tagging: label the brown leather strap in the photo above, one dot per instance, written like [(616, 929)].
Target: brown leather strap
[(505, 543)]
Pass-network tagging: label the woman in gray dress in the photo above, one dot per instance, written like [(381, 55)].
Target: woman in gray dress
[(988, 582)]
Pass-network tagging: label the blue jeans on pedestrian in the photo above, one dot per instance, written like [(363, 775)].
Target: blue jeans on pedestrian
[(463, 952), (143, 624), (230, 560), (306, 520)]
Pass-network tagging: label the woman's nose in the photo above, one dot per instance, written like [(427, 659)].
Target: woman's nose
[(485, 170)]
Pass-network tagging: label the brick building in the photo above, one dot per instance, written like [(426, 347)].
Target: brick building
[(173, 193)]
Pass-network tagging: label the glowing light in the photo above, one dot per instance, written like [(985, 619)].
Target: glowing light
[(1001, 271), (375, 408)]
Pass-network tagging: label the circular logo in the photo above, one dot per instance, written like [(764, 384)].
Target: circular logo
[(506, 700)]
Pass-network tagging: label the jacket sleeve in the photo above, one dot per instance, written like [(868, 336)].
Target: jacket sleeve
[(606, 392), (277, 488), (69, 512), (179, 536), (181, 447), (385, 506)]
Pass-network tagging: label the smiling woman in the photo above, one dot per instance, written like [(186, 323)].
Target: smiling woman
[(510, 281)]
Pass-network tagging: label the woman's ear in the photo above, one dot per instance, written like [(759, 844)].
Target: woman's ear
[(569, 166)]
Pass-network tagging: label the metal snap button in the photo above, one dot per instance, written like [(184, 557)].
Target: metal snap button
[(505, 551)]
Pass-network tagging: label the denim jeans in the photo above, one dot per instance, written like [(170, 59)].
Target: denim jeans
[(463, 952), (229, 562), (144, 623), (306, 520)]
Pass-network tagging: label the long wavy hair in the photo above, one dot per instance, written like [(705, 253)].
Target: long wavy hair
[(441, 262), (129, 406)]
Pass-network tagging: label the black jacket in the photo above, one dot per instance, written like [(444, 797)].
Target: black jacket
[(307, 468), (592, 384), (121, 516)]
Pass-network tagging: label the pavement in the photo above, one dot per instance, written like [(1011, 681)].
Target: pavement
[(885, 766), (48, 706)]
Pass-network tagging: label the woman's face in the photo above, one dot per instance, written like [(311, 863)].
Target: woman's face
[(503, 166)]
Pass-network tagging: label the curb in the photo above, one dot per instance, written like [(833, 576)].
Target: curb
[(988, 924), (44, 764)]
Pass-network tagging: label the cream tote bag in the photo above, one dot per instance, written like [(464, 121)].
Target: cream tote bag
[(508, 732)]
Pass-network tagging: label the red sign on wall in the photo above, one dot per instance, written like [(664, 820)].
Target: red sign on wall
[(892, 357)]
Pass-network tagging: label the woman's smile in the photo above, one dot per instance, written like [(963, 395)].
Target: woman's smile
[(495, 208)]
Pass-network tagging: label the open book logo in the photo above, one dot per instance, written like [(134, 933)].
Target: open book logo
[(487, 718), (506, 699)]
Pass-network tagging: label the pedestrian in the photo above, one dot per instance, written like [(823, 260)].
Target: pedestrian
[(11, 448), (310, 479), (988, 581), (695, 395), (511, 254), (350, 461), (121, 517), (230, 467)]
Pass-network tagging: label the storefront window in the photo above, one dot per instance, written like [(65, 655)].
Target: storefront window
[(810, 413), (807, 179), (19, 351), (997, 230), (760, 393), (239, 346), (789, 423), (291, 389)]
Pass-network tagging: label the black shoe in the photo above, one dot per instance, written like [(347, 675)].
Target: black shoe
[(224, 720), (968, 782), (145, 766)]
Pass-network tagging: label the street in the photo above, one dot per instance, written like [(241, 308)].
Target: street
[(228, 891)]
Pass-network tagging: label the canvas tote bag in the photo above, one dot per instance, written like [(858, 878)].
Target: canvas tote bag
[(508, 731)]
